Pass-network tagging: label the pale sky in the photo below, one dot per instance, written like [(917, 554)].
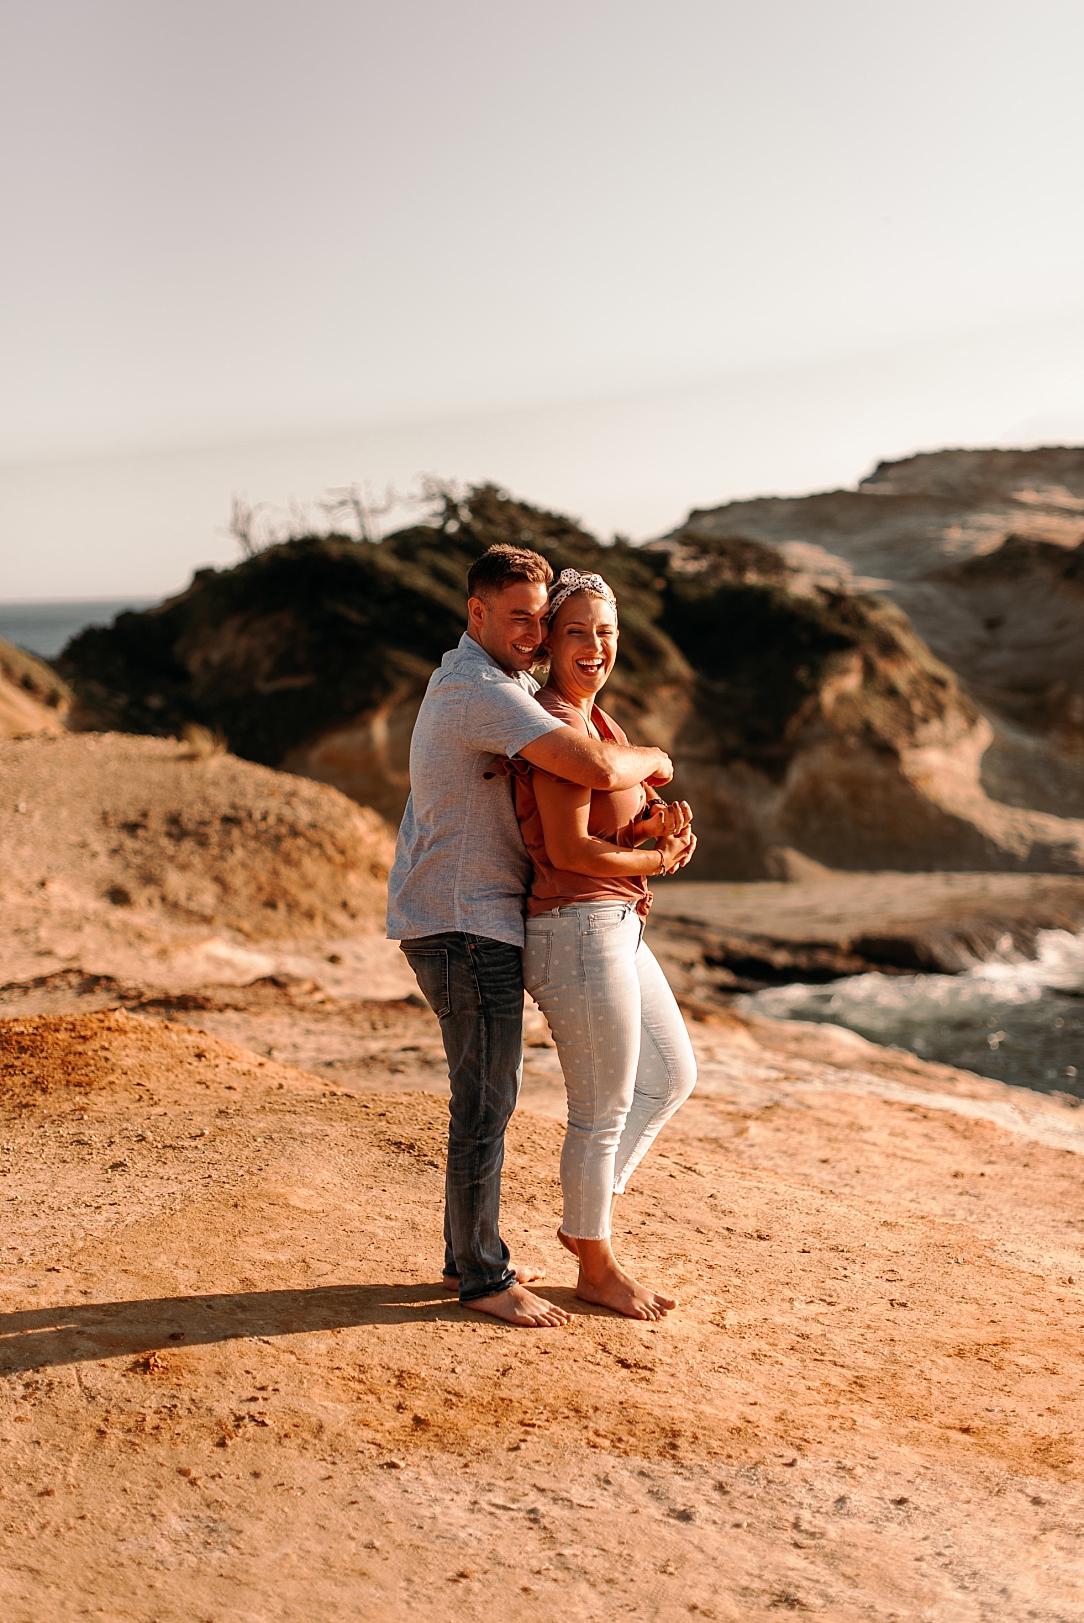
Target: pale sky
[(623, 257)]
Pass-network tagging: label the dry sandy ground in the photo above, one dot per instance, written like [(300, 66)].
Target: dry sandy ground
[(142, 857), (233, 1389), (33, 699)]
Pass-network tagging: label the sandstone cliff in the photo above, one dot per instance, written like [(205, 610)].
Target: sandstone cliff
[(806, 714), (824, 724), (984, 551)]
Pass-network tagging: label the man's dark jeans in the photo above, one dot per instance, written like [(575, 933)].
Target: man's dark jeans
[(474, 986)]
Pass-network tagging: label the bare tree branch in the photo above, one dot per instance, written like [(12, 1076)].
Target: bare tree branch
[(358, 502), (355, 508)]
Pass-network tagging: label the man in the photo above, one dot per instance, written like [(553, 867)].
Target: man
[(456, 894)]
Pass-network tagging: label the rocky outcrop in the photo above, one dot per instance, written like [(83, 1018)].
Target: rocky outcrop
[(314, 655), (149, 825), (808, 719), (822, 722), (984, 552), (33, 699), (713, 940)]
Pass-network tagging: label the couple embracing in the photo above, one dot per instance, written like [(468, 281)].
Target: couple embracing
[(531, 799)]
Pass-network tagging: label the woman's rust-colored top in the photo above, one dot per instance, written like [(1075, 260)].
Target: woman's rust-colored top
[(613, 816)]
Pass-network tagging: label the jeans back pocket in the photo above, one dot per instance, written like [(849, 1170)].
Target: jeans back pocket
[(430, 966)]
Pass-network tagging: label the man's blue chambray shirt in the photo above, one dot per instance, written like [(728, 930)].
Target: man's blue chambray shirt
[(460, 862)]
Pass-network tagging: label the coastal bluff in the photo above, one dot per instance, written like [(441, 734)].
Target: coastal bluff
[(984, 552), (886, 678)]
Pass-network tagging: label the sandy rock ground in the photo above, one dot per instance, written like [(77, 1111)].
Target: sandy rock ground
[(142, 858), (21, 712), (33, 699), (233, 1389)]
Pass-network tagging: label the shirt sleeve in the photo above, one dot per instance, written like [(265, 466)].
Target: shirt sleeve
[(501, 718), (567, 716)]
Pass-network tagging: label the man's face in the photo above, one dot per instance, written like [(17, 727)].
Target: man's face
[(510, 625)]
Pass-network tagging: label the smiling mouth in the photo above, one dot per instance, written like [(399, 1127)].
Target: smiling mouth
[(589, 667)]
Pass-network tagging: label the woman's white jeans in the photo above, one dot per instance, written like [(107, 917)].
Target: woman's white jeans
[(624, 1050)]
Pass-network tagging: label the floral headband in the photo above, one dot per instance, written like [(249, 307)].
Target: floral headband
[(570, 581)]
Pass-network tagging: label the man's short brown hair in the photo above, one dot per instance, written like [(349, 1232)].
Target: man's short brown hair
[(502, 566)]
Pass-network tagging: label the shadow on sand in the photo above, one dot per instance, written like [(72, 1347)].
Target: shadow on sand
[(38, 1338), (35, 1338)]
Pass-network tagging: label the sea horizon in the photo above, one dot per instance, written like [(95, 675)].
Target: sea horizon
[(45, 625)]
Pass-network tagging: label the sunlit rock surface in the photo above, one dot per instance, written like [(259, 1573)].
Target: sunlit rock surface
[(984, 551)]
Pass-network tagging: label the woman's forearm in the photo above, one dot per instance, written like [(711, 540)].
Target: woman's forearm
[(600, 860)]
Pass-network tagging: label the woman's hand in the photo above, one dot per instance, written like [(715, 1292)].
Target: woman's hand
[(687, 854), (565, 809), (676, 850), (665, 820)]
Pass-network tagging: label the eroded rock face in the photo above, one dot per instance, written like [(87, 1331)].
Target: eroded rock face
[(805, 712), (984, 551), (823, 723)]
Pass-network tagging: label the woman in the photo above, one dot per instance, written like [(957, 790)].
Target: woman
[(626, 1056)]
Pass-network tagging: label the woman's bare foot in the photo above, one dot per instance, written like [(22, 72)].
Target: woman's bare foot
[(519, 1306), (604, 1282), (522, 1270)]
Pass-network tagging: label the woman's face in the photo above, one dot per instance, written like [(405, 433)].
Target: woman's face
[(582, 645)]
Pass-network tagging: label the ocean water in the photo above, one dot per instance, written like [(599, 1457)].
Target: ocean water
[(1019, 1021), (44, 627)]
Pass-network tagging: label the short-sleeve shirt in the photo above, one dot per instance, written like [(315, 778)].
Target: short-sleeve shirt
[(460, 863), (612, 816)]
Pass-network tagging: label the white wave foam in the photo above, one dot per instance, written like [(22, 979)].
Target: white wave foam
[(1057, 966)]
